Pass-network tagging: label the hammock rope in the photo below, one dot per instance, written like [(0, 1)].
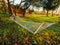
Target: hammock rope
[(32, 27)]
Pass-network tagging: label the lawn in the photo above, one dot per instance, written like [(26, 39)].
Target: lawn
[(40, 18), (11, 34)]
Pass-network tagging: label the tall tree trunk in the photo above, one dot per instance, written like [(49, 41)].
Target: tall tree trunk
[(47, 13), (9, 8), (15, 11), (23, 14), (52, 13)]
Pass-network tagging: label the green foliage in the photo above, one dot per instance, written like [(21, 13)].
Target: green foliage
[(4, 15), (50, 4)]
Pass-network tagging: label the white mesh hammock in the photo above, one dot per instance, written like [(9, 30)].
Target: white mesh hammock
[(32, 27)]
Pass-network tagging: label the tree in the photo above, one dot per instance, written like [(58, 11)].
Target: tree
[(50, 5), (15, 6), (9, 7), (27, 4), (24, 7), (55, 5)]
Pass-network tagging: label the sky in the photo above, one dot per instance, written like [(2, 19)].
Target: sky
[(15, 1)]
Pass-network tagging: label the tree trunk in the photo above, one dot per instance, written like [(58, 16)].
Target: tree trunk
[(52, 13), (47, 13), (9, 8), (23, 14), (15, 11)]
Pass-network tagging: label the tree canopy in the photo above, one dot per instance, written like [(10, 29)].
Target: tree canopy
[(25, 4), (50, 4)]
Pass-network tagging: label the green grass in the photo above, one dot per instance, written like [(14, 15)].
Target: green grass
[(40, 18), (55, 28), (4, 14), (12, 32), (6, 21)]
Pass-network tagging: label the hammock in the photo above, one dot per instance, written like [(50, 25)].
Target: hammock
[(32, 27)]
